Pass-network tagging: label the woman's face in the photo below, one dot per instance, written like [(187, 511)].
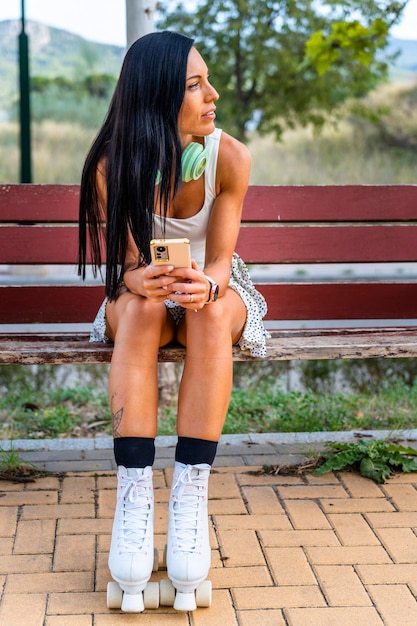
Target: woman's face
[(197, 113)]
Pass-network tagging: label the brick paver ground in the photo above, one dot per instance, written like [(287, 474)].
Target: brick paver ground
[(298, 551)]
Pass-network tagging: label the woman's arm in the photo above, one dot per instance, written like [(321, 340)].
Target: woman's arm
[(232, 179)]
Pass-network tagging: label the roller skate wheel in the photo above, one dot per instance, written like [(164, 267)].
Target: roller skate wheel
[(133, 603), (151, 596), (185, 601), (155, 560), (166, 592), (114, 596), (203, 594)]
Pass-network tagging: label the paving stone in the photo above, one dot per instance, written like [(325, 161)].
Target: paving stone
[(400, 543), (396, 519), (76, 603), (341, 586), (261, 617), (24, 563), (22, 610), (278, 597), (151, 618), (55, 511), (8, 521), (35, 537), (50, 582), (396, 604), (360, 487), (306, 515), (404, 497), (356, 505), (70, 620), (290, 566), (391, 573), (298, 538), (263, 500), (221, 611), (330, 616), (310, 492), (227, 577), (79, 526), (77, 489), (19, 498), (347, 555), (241, 547), (353, 530), (6, 545), (252, 522), (74, 553)]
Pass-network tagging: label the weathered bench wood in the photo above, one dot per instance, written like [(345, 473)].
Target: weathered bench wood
[(281, 225)]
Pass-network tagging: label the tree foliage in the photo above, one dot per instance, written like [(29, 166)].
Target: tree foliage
[(278, 63)]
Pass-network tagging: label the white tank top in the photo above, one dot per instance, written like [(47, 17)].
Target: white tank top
[(195, 227)]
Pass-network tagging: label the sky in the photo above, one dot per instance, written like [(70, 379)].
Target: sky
[(105, 20)]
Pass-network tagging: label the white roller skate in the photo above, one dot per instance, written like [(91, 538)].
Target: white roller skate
[(132, 557), (188, 554)]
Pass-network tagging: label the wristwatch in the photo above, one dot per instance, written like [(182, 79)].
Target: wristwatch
[(214, 290)]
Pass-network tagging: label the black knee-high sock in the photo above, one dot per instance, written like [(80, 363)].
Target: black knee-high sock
[(192, 451), (134, 451)]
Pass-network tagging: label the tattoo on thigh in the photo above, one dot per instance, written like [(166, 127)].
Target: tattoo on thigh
[(117, 420)]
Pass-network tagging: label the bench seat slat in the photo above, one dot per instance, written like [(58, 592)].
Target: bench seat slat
[(283, 345), (286, 301)]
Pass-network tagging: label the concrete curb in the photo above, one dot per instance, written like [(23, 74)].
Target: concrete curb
[(104, 443)]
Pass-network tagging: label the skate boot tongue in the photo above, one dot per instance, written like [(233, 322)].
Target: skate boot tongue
[(189, 490), (136, 495)]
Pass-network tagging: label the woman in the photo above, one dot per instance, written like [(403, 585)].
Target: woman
[(132, 179)]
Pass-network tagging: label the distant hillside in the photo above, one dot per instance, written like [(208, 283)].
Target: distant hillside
[(53, 52), (56, 52)]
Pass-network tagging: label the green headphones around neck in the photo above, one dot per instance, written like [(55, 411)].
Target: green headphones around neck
[(193, 162)]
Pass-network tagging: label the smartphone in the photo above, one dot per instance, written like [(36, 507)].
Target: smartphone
[(174, 252)]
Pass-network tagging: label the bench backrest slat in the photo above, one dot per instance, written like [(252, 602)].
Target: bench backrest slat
[(59, 203), (314, 301), (256, 244)]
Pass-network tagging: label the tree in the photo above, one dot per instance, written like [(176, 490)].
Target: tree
[(278, 63)]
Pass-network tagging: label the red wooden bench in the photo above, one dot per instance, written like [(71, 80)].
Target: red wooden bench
[(281, 226)]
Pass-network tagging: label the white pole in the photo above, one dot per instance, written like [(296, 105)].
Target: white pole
[(139, 19)]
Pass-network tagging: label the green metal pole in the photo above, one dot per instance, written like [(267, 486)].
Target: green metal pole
[(25, 139)]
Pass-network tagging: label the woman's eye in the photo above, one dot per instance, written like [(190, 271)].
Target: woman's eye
[(194, 85)]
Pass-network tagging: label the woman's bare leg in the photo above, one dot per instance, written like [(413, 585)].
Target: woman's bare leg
[(207, 378), (138, 328)]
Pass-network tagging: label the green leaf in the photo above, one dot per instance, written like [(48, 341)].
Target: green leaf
[(339, 461), (377, 471)]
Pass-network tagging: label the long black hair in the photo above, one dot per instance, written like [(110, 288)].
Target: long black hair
[(139, 137)]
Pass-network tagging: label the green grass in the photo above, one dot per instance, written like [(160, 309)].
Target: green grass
[(260, 407)]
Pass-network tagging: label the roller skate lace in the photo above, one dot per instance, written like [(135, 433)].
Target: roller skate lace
[(136, 496), (189, 492)]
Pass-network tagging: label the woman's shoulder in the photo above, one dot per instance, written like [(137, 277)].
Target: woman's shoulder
[(233, 147), (233, 154)]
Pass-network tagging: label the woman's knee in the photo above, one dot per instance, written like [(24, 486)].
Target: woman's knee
[(135, 313)]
